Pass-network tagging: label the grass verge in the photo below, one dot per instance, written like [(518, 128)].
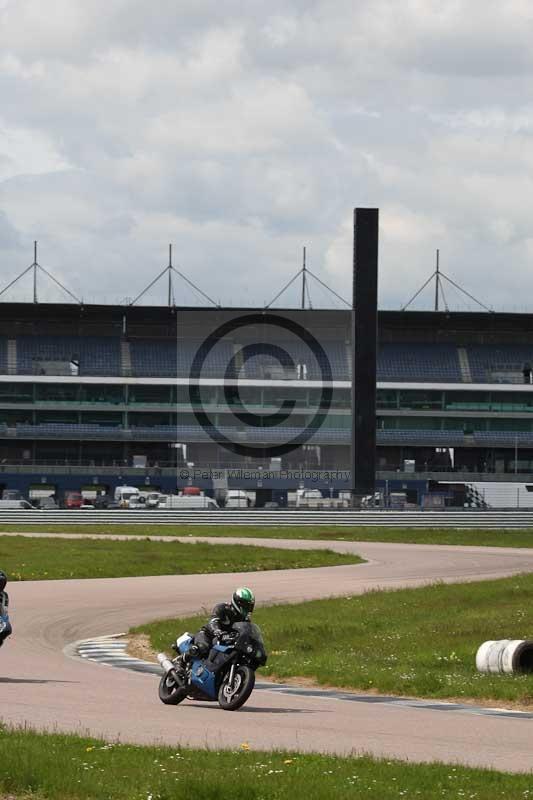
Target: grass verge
[(27, 559), (61, 767), (444, 536), (414, 642)]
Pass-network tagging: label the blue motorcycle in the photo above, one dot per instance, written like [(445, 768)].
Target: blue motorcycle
[(226, 676)]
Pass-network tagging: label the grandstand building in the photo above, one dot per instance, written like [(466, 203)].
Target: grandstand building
[(99, 395)]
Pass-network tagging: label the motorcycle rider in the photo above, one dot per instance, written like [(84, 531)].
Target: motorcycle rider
[(223, 617), (4, 605)]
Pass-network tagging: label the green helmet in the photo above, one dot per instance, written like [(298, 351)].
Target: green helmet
[(243, 601)]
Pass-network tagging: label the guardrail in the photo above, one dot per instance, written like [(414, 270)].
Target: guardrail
[(401, 519)]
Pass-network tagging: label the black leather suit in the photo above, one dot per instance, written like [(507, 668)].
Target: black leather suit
[(222, 619)]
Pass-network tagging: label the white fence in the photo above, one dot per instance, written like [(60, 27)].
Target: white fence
[(401, 519)]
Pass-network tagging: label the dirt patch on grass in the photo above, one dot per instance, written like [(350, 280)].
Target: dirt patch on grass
[(20, 796), (139, 647), (509, 705)]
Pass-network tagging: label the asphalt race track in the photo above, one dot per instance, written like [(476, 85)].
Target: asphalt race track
[(45, 687)]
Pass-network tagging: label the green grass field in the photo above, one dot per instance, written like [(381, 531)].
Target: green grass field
[(60, 767), (493, 538), (26, 559), (417, 642)]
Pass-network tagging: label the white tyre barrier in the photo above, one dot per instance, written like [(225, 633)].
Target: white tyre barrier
[(505, 656)]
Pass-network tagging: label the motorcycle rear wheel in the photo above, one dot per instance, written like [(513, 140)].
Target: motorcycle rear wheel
[(232, 700), (170, 692)]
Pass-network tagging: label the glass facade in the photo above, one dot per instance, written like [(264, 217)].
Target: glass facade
[(412, 423), (264, 397)]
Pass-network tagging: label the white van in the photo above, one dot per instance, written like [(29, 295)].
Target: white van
[(189, 502), (123, 495), (237, 498)]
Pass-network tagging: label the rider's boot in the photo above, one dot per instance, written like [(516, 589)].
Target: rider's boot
[(184, 661), (192, 653)]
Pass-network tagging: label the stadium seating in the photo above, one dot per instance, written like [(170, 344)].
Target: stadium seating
[(336, 356), (397, 362), (195, 433), (3, 355), (503, 438), (448, 438), (96, 355), (419, 362), (214, 363), (153, 357), (167, 358), (498, 363)]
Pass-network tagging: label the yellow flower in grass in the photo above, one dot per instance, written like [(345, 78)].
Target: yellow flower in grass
[(245, 746)]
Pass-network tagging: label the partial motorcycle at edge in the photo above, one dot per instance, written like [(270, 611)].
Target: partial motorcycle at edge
[(5, 625)]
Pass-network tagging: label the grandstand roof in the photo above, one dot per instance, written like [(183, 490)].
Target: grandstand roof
[(162, 321)]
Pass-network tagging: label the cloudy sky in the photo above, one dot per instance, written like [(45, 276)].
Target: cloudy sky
[(243, 131)]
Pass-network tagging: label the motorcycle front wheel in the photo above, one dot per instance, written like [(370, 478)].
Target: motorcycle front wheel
[(230, 698), (170, 692)]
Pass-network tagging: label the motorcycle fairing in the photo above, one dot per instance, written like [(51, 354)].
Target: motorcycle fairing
[(203, 673), (184, 643)]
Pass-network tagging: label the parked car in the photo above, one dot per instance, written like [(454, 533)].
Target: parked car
[(73, 499), (16, 505), (12, 494), (161, 500), (46, 503), (154, 499), (308, 497), (137, 501), (188, 502), (237, 498), (105, 501)]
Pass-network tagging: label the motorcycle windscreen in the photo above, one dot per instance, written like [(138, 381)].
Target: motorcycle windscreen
[(251, 630)]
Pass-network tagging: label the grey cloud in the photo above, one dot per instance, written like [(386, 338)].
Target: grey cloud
[(241, 132), (9, 237)]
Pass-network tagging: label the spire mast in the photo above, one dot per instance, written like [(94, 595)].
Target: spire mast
[(35, 265), (169, 275), (437, 281), (304, 268)]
